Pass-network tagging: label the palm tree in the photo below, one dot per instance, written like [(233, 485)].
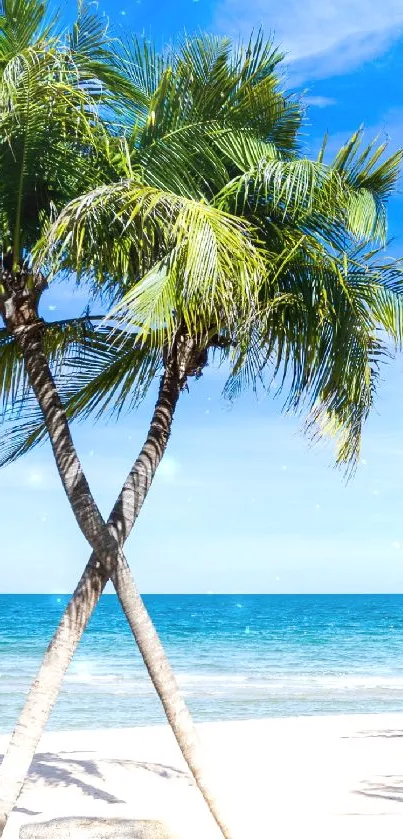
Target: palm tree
[(210, 121), (52, 143), (211, 126)]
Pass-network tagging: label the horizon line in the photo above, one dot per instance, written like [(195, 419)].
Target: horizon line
[(217, 594)]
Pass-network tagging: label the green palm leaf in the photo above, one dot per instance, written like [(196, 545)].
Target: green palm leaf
[(45, 122), (22, 24), (193, 259), (98, 373)]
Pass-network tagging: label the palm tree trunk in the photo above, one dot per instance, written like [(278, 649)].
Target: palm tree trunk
[(167, 689), (88, 516), (46, 686), (105, 562), (45, 689)]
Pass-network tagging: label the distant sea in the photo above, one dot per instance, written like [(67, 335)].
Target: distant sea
[(235, 656)]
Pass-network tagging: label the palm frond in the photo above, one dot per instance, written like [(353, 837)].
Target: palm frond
[(113, 374), (195, 262), (372, 177), (204, 79), (91, 49), (98, 374), (46, 122), (21, 420), (63, 339), (22, 24), (325, 339)]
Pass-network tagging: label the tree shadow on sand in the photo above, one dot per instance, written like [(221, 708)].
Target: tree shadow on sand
[(387, 733), (67, 771), (389, 787)]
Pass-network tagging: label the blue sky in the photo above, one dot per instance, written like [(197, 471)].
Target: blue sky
[(241, 502)]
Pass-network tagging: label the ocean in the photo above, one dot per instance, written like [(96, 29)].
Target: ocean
[(235, 656)]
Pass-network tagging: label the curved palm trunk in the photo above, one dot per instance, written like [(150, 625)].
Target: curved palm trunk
[(45, 689), (167, 689), (106, 561), (46, 686)]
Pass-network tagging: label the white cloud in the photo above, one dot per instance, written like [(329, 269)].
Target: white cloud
[(319, 101), (396, 545), (337, 34)]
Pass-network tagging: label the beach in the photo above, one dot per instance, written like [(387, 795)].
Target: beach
[(297, 700), (308, 776)]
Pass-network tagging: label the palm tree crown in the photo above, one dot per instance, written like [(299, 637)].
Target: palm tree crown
[(202, 217)]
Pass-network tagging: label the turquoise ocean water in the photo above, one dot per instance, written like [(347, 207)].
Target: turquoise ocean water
[(236, 657)]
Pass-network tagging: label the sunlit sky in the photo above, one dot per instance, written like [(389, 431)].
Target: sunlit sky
[(241, 502)]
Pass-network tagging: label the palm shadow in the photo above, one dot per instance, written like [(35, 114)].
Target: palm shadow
[(66, 771), (387, 733), (387, 787), (160, 769)]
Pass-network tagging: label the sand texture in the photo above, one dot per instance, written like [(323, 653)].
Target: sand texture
[(308, 776)]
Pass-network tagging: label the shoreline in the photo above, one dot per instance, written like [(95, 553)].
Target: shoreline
[(269, 719), (205, 724), (274, 774)]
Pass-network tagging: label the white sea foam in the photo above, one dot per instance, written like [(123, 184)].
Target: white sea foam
[(271, 682), (200, 678)]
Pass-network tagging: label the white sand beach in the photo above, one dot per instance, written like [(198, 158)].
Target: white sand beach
[(307, 776)]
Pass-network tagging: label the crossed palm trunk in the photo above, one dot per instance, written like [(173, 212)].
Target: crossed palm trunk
[(106, 562)]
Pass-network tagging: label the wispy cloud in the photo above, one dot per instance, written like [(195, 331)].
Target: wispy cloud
[(322, 37), (319, 101)]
